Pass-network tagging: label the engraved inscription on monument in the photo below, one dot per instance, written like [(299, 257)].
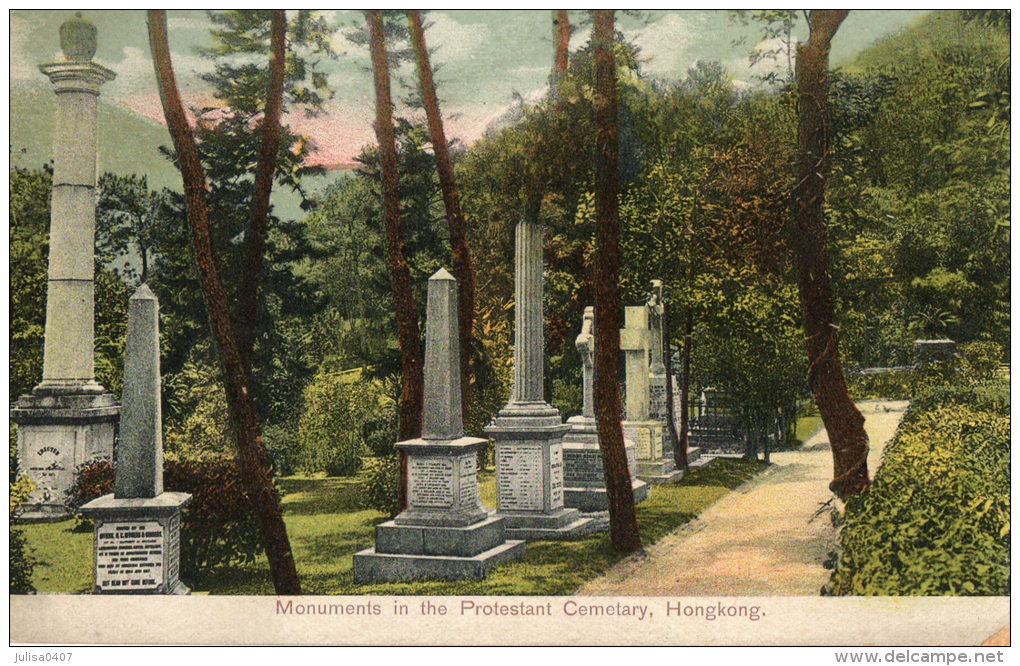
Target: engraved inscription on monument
[(431, 481), (129, 556), (50, 462), (469, 495), (173, 550), (556, 476), (520, 478)]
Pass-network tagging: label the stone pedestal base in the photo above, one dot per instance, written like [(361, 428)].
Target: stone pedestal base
[(583, 475), (529, 474), (57, 432), (653, 465), (138, 544), (659, 471), (415, 552)]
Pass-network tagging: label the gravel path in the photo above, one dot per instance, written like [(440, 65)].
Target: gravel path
[(762, 539)]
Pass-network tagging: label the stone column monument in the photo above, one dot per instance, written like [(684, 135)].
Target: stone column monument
[(635, 342), (583, 474), (528, 431), (68, 418), (138, 526), (445, 532)]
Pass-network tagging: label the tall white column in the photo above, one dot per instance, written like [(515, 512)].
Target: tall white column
[(68, 360)]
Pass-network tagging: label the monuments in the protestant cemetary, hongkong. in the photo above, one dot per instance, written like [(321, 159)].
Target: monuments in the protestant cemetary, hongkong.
[(657, 400), (68, 418), (138, 526), (445, 532), (528, 431), (635, 342), (583, 474)]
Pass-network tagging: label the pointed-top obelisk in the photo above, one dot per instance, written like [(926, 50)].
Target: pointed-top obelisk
[(139, 470), (442, 405)]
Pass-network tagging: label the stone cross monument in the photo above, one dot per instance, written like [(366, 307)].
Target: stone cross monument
[(69, 418), (583, 474), (647, 432), (445, 532), (528, 431), (138, 526)]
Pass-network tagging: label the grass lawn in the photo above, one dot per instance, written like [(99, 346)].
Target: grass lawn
[(327, 527)]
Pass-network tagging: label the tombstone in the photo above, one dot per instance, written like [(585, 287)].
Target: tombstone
[(69, 418), (933, 351), (138, 525), (716, 428), (445, 532), (657, 378), (635, 342), (583, 474), (528, 432)]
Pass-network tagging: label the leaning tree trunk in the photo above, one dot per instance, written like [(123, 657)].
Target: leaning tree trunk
[(463, 268), (265, 170), (561, 57), (408, 334), (842, 419), (243, 414), (623, 526)]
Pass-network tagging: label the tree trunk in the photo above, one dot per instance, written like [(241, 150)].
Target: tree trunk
[(679, 439), (843, 421), (463, 269), (265, 171), (561, 58), (243, 415), (408, 333), (623, 526)]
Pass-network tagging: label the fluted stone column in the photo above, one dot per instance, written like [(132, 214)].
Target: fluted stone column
[(584, 476), (528, 431), (68, 418), (445, 532), (138, 525)]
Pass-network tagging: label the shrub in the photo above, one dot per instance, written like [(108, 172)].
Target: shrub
[(337, 405), (219, 527), (982, 359), (22, 564), (936, 520), (379, 491), (283, 448), (990, 396)]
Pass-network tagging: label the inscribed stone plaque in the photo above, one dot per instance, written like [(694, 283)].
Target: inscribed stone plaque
[(173, 548), (129, 555), (555, 476), (469, 480), (520, 477), (49, 460), (431, 482)]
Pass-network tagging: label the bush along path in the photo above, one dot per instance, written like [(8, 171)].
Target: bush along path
[(771, 536)]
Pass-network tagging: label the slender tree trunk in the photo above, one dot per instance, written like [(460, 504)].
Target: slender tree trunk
[(685, 386), (843, 421), (463, 269), (561, 38), (408, 333), (679, 439), (265, 171), (243, 415), (623, 527)]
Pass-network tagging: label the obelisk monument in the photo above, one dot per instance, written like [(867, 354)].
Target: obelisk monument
[(138, 526), (528, 431), (69, 418), (445, 532)]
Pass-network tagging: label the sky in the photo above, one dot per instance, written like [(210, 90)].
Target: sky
[(483, 58)]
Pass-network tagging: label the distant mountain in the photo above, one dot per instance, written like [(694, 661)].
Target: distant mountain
[(128, 144), (128, 141)]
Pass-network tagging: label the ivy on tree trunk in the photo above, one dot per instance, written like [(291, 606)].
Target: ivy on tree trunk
[(843, 421)]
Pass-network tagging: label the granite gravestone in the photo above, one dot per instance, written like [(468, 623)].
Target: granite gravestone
[(445, 532), (528, 431), (583, 473), (138, 526), (69, 418), (635, 342)]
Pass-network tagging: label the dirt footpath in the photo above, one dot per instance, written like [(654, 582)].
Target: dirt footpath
[(762, 538)]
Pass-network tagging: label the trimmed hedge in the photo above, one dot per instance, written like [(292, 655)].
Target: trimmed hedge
[(936, 519)]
